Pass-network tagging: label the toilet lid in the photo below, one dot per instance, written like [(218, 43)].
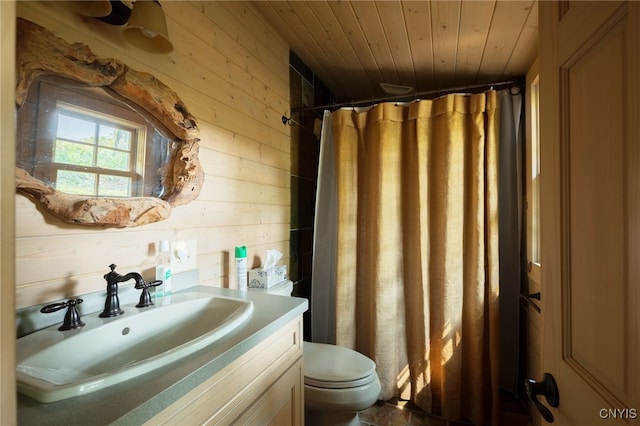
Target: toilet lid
[(336, 367)]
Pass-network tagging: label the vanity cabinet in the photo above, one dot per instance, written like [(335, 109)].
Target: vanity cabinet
[(264, 386)]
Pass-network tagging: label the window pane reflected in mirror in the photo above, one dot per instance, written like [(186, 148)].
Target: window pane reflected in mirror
[(73, 153), (114, 160), (75, 129), (114, 137)]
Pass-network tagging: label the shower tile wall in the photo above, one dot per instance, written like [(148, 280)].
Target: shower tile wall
[(305, 90)]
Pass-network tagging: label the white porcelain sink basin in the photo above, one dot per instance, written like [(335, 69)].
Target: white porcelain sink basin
[(53, 365)]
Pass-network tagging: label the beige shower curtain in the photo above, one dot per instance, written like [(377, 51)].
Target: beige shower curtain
[(417, 251)]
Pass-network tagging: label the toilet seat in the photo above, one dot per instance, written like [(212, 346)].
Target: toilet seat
[(334, 367)]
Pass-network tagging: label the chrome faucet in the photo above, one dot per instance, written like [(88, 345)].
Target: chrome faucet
[(112, 303)]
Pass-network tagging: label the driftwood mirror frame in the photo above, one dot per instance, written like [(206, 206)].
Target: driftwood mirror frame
[(40, 53)]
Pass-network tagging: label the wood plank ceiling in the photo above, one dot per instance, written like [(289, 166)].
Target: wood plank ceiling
[(353, 46)]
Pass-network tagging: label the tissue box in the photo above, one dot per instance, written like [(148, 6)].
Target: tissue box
[(265, 278)]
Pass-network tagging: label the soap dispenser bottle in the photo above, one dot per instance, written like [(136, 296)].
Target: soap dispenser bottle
[(163, 268)]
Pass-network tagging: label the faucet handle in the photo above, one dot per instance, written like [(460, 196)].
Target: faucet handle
[(145, 297), (111, 275), (71, 318)]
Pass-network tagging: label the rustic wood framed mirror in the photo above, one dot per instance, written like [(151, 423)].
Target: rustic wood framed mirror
[(99, 143)]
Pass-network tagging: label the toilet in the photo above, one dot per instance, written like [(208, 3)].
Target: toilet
[(338, 382)]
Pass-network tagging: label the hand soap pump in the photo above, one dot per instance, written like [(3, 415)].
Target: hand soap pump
[(163, 268), (241, 267)]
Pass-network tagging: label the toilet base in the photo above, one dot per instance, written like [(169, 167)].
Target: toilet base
[(332, 418)]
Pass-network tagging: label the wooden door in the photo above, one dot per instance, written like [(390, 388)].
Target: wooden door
[(590, 208)]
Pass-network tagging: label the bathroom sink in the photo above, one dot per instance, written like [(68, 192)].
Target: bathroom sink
[(53, 365)]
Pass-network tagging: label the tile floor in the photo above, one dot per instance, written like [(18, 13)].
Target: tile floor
[(401, 413)]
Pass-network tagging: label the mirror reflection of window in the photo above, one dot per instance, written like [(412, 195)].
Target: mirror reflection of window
[(82, 141), (95, 154)]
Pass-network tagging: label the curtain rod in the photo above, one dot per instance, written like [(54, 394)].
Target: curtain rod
[(413, 96)]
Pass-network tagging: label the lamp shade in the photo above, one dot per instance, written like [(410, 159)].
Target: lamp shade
[(147, 27), (93, 8), (120, 12)]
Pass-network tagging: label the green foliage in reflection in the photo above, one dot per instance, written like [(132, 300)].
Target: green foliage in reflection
[(78, 183), (110, 159), (73, 153), (114, 186), (83, 155)]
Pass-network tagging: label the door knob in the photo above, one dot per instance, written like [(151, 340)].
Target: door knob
[(547, 387)]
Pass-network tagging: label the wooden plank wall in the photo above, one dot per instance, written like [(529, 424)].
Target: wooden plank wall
[(231, 69), (7, 212)]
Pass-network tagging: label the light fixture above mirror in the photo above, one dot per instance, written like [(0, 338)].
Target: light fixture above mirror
[(147, 27), (91, 8), (146, 24)]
